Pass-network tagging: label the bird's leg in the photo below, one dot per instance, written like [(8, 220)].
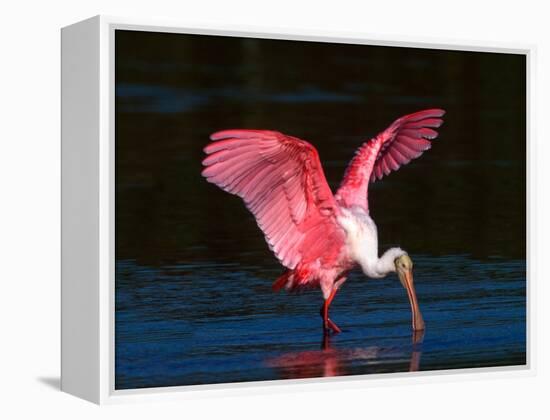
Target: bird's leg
[(328, 324)]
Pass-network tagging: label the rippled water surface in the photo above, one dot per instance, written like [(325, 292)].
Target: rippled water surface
[(193, 274)]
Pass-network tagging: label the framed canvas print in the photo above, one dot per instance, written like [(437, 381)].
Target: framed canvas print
[(250, 209)]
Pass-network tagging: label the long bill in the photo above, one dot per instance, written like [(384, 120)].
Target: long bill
[(406, 279)]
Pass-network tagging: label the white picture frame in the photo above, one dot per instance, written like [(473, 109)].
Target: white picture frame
[(88, 212)]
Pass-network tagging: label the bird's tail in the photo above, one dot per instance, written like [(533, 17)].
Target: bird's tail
[(295, 280), (282, 281)]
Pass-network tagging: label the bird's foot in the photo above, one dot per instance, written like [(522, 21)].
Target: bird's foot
[(334, 327), (330, 325)]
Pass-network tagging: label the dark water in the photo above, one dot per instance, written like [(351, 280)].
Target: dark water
[(193, 274)]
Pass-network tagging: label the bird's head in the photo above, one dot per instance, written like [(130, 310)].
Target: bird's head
[(404, 269)]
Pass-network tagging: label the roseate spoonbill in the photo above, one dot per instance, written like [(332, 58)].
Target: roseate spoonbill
[(319, 237)]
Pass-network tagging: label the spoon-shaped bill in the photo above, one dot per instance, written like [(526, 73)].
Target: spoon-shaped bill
[(406, 278)]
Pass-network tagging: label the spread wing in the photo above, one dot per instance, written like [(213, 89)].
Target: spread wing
[(406, 139), (282, 183)]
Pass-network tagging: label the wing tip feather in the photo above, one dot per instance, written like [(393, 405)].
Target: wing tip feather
[(425, 114), (436, 112), (220, 135)]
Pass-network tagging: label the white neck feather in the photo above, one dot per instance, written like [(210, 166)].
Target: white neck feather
[(362, 242), (386, 263)]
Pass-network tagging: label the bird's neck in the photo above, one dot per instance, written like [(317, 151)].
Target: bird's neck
[(386, 263), (362, 241)]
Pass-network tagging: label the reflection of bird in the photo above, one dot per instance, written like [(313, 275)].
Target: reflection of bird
[(331, 361), (319, 237)]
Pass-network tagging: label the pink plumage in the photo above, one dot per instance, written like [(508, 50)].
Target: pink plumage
[(406, 139), (281, 181)]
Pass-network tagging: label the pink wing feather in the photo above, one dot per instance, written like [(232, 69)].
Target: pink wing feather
[(406, 139), (282, 183)]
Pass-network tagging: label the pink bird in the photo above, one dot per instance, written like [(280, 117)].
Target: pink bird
[(319, 237)]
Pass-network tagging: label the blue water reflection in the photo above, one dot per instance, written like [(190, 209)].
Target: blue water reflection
[(208, 323)]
